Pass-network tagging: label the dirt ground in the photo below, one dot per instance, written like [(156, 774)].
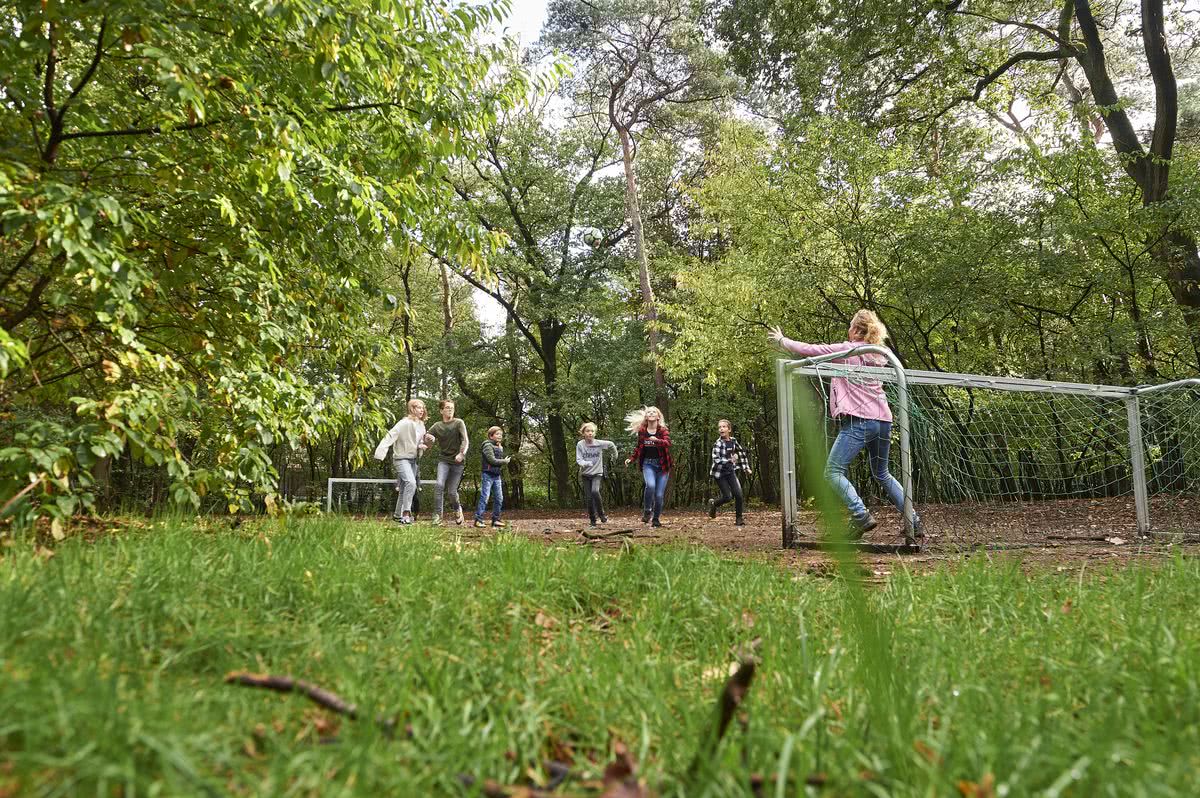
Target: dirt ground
[(1056, 532)]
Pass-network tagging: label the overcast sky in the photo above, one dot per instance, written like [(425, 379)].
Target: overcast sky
[(526, 18)]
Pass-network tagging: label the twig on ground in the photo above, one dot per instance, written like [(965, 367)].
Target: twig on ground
[(732, 695), (286, 684), (606, 535), (490, 788), (620, 776)]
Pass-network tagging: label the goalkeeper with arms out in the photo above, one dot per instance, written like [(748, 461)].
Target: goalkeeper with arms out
[(863, 416)]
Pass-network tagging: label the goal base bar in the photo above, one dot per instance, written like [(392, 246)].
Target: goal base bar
[(857, 546)]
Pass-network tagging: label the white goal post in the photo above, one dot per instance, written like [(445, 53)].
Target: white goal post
[(377, 481), (1183, 409)]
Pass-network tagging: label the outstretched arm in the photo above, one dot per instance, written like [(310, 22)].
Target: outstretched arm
[(637, 452), (382, 449), (807, 350)]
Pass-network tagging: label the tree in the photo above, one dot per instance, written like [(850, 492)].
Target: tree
[(901, 64), (188, 194), (542, 187), (641, 62)]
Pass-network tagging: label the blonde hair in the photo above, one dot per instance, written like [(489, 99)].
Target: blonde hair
[(587, 425), (635, 420), (724, 421), (493, 430), (868, 325), (415, 405)]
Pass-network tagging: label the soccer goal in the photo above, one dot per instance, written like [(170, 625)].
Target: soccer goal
[(1001, 460), (362, 496)]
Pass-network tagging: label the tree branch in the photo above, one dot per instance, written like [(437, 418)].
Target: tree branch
[(1013, 60), (32, 302), (1166, 96), (1062, 41), (1125, 139), (91, 70), (496, 295)]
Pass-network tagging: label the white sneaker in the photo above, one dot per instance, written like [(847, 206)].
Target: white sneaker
[(436, 520), (458, 516)]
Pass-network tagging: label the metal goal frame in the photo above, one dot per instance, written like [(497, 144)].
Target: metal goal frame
[(823, 366), (375, 480)]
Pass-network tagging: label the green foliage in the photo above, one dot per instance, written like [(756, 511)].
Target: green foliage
[(195, 201), (842, 217)]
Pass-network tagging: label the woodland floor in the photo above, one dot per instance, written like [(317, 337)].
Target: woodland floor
[(1065, 531)]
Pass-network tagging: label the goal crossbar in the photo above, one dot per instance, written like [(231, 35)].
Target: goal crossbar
[(956, 380)]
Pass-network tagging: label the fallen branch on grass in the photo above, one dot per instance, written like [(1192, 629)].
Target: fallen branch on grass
[(620, 776), (606, 535), (732, 695), (557, 772), (286, 684)]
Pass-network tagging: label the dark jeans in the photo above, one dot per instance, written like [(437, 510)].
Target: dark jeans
[(591, 496), (731, 491)]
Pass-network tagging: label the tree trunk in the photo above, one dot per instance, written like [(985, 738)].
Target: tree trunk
[(550, 333), (515, 493), (407, 332), (1150, 170), (447, 327), (763, 431), (1183, 277), (649, 309)]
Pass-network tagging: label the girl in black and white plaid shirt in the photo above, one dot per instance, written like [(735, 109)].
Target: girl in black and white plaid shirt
[(728, 458)]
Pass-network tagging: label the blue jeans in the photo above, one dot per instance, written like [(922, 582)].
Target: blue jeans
[(448, 477), (490, 485), (655, 477), (407, 482), (855, 435)]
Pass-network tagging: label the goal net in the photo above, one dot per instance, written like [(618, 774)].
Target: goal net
[(997, 460), (373, 497)]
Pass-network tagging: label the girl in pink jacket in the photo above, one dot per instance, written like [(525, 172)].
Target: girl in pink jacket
[(863, 416)]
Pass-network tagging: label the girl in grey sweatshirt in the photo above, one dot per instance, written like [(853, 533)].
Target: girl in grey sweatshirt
[(589, 456)]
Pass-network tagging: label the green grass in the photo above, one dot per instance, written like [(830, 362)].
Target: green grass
[(502, 653)]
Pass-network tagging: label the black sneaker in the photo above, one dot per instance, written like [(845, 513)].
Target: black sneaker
[(645, 516), (712, 508), (862, 526), (604, 519), (656, 522), (919, 529), (592, 523), (739, 521)]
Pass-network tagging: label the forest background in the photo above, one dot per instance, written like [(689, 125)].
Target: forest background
[(236, 237)]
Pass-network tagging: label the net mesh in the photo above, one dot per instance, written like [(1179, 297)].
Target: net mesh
[(993, 465), (375, 498)]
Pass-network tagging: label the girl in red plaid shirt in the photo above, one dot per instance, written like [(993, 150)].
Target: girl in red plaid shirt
[(653, 456)]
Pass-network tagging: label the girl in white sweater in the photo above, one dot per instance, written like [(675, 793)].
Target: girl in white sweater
[(408, 441)]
